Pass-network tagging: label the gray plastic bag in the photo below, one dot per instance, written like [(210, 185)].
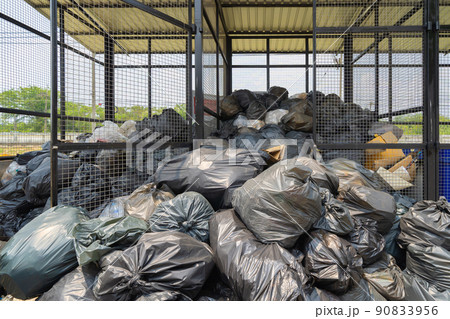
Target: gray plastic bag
[(335, 217), (280, 204), (386, 277), (428, 223), (253, 270), (40, 253), (362, 291), (188, 213), (158, 262), (432, 263), (351, 172), (321, 174), (214, 173), (165, 296), (369, 203), (75, 286), (418, 289), (366, 240), (96, 237), (332, 262)]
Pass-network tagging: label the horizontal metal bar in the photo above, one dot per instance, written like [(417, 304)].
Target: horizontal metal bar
[(443, 146), (416, 109), (6, 158), (159, 14), (90, 146), (23, 112), (360, 146), (165, 4), (210, 112), (255, 32), (380, 29), (262, 36)]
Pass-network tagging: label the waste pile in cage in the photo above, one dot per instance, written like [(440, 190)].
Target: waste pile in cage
[(254, 212)]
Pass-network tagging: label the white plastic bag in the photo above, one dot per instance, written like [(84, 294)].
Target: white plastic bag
[(115, 209), (127, 128), (242, 121), (12, 171), (109, 132), (274, 117)]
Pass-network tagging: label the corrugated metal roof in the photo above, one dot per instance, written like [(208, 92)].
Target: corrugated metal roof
[(260, 17)]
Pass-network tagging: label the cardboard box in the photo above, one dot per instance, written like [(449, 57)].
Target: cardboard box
[(405, 163), (376, 158), (276, 153)]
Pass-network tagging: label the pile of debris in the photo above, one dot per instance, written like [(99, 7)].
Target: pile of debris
[(224, 223)]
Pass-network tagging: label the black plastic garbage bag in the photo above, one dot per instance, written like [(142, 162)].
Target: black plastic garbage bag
[(386, 277), (158, 262), (252, 141), (335, 217), (128, 182), (35, 212), (188, 213), (332, 262), (363, 201), (299, 118), (366, 240), (392, 247), (213, 173), (229, 107), (350, 172), (23, 159), (244, 98), (165, 296), (362, 291), (227, 130), (431, 263), (90, 189), (272, 131), (255, 111), (418, 289), (253, 270), (34, 163), (301, 138), (75, 286), (144, 200), (112, 162), (317, 294), (37, 185), (427, 222), (380, 128), (40, 253), (321, 174), (270, 101), (404, 203), (171, 124), (278, 91), (280, 204), (96, 237)]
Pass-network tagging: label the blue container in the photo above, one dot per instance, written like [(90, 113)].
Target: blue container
[(444, 173)]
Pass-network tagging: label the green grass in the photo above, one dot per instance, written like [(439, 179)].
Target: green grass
[(417, 129)]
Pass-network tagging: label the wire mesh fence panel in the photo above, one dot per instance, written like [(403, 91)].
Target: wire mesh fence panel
[(369, 87), (24, 78), (122, 93)]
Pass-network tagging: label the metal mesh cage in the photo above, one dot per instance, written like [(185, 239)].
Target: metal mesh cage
[(369, 84)]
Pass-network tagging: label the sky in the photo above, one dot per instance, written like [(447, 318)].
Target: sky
[(25, 61)]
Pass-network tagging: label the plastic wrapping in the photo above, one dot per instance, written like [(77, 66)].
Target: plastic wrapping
[(144, 200), (386, 277), (214, 173), (321, 174), (109, 132), (278, 91), (299, 118), (335, 217), (96, 237), (40, 253), (229, 107), (280, 204), (317, 294), (332, 262), (11, 171), (165, 296), (418, 289), (350, 172), (363, 201), (255, 111), (75, 286), (188, 213), (272, 131), (127, 128), (367, 241), (427, 222), (115, 209), (244, 98), (274, 117), (242, 121), (362, 291), (253, 270), (432, 263), (158, 262), (392, 247)]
